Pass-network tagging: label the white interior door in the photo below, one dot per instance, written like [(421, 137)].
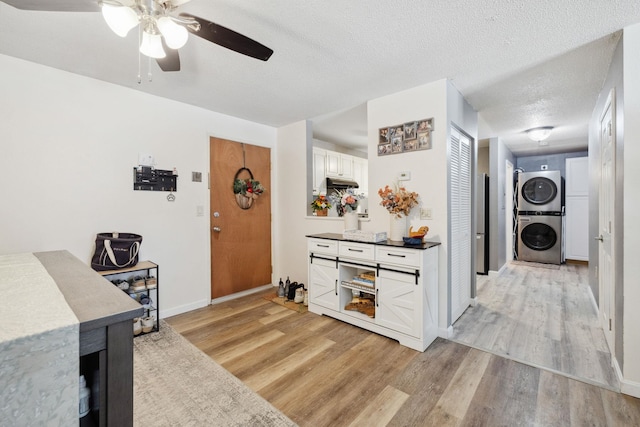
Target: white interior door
[(460, 224), (606, 277)]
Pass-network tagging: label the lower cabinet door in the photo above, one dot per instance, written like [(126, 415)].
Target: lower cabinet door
[(323, 283), (398, 305)]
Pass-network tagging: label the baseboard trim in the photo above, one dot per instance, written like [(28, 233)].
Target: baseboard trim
[(445, 333), (631, 388), (242, 294), (493, 273), (183, 308)]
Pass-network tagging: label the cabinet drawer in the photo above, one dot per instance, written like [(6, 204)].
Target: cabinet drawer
[(402, 256), (357, 250), (323, 246)]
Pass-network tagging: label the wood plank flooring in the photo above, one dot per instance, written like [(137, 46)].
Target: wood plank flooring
[(542, 316), (323, 372)]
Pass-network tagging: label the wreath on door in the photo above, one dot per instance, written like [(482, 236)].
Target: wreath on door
[(246, 189)]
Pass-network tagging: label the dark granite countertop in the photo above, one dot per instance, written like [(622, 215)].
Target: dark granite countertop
[(336, 236)]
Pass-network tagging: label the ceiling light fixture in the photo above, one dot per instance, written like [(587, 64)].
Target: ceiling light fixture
[(540, 133), (153, 17)]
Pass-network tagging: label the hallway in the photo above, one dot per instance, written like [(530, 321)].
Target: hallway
[(541, 315)]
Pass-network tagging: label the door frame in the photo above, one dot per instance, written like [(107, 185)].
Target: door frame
[(508, 210)]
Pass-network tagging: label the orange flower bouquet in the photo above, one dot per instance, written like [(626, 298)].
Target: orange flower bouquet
[(398, 201)]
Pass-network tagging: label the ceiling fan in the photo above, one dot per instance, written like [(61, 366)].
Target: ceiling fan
[(163, 31)]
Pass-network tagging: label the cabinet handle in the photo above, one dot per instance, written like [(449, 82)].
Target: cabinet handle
[(335, 288), (377, 305), (356, 250), (399, 256), (322, 246)]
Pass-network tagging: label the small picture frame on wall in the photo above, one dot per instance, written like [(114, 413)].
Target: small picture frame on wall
[(384, 149), (384, 136), (407, 137), (396, 144), (424, 141)]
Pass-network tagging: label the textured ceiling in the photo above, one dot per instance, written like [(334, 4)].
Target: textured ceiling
[(520, 64)]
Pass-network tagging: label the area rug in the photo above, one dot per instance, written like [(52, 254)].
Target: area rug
[(536, 264), (176, 384), (300, 308)]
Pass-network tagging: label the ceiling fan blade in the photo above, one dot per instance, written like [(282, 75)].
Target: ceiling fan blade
[(230, 39), (171, 62), (55, 5)]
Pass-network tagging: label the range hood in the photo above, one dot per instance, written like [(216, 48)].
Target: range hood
[(340, 184)]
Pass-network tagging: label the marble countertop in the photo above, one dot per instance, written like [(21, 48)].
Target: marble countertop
[(336, 236)]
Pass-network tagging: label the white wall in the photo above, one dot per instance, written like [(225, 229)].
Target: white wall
[(631, 198), (68, 146), (429, 168)]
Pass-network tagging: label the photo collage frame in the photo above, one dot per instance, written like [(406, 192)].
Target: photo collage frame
[(406, 137)]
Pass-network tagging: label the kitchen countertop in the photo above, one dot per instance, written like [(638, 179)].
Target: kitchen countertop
[(337, 236)]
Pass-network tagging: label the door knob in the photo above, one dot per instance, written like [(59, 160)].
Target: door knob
[(216, 229), (600, 238)]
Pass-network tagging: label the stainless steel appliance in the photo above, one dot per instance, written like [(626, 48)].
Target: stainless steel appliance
[(540, 238), (540, 191), (482, 225)]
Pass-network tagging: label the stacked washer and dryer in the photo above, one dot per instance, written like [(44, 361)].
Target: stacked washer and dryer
[(540, 217)]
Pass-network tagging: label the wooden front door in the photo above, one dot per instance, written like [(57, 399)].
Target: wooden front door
[(240, 238)]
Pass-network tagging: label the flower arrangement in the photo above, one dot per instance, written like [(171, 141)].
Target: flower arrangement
[(248, 187), (345, 200), (398, 201), (320, 203)]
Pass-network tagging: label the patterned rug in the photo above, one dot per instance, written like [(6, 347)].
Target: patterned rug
[(176, 384)]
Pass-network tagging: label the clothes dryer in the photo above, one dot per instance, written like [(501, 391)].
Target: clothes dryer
[(540, 191), (540, 238)]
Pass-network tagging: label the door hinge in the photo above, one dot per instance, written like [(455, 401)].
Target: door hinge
[(609, 324)]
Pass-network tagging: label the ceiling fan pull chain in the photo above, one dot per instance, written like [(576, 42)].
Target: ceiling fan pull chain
[(149, 75)]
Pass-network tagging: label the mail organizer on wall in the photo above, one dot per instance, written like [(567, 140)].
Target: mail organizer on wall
[(149, 179)]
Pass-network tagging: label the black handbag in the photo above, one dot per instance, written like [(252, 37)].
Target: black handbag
[(116, 251)]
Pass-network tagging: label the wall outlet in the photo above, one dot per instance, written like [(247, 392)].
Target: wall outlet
[(145, 159), (196, 176), (426, 213), (199, 210)]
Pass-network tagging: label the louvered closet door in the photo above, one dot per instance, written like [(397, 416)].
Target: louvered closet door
[(460, 223)]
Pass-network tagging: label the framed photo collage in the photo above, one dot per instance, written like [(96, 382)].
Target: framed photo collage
[(410, 136)]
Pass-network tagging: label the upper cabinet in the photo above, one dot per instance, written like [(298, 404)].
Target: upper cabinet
[(361, 174), (332, 164), (339, 165)]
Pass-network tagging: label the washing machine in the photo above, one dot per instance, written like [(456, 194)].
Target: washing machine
[(540, 238), (540, 191)]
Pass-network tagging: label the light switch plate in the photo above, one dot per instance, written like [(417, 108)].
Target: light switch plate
[(426, 213), (404, 176)]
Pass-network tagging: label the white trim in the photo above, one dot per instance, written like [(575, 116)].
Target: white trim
[(632, 388), (445, 333), (183, 308), (593, 302), (493, 273), (242, 294), (473, 302)]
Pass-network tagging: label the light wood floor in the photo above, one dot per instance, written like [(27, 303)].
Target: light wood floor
[(322, 372), (543, 316)]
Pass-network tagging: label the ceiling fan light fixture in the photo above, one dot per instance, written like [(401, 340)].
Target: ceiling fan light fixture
[(152, 45), (540, 133), (120, 19), (175, 35)]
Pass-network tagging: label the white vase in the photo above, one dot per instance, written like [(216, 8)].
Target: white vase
[(351, 221), (397, 227)]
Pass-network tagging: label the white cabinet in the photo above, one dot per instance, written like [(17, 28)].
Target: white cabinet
[(576, 221), (361, 174), (319, 171), (339, 165), (397, 286)]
